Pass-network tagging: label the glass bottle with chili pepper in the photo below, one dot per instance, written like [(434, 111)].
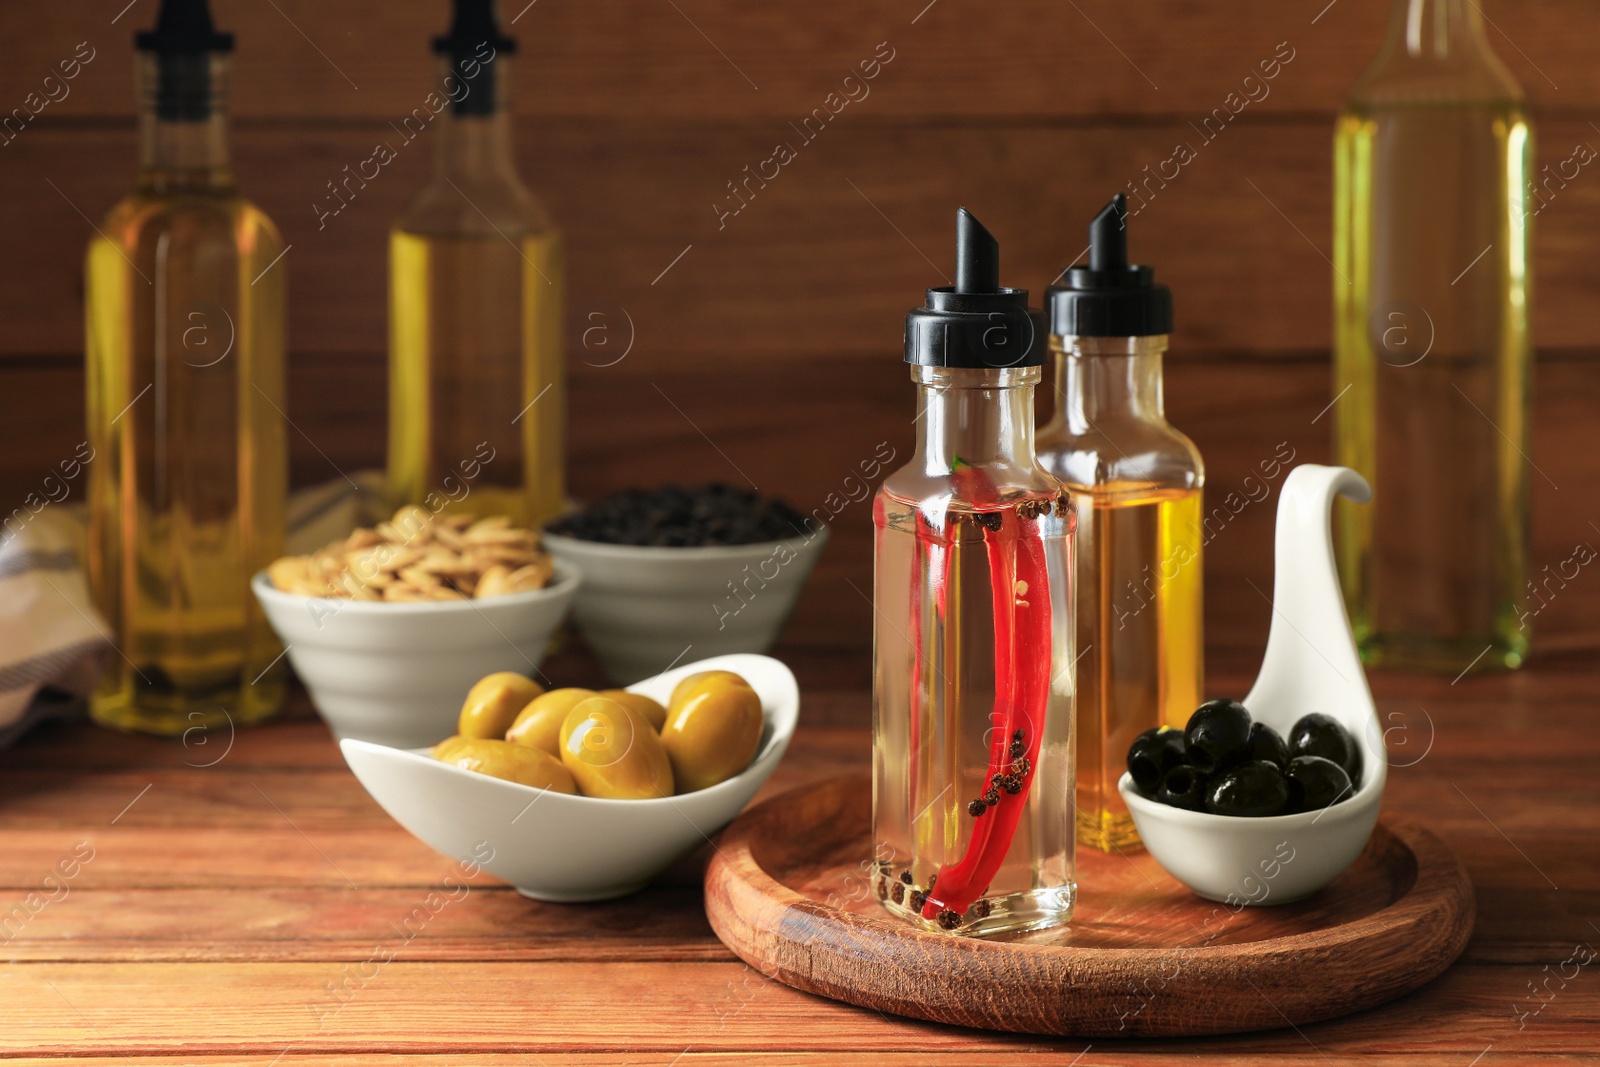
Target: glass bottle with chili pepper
[(973, 694)]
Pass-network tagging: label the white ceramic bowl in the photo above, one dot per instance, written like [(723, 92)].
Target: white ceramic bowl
[(642, 609), (396, 673), (558, 847), (1311, 664)]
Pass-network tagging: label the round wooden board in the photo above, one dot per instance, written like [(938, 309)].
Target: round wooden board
[(787, 890)]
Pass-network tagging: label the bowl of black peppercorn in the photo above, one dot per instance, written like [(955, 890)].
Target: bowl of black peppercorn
[(714, 568)]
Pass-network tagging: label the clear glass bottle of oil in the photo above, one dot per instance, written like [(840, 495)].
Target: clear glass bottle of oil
[(1432, 209), (972, 697), (1138, 483), (477, 379), (185, 371)]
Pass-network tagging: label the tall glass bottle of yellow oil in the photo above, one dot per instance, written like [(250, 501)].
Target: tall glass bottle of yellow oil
[(185, 370), (476, 374), (1431, 291)]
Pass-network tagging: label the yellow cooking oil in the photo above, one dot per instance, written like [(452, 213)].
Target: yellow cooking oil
[(1140, 636), (184, 363), (477, 401), (185, 370), (1137, 482), (1431, 365)]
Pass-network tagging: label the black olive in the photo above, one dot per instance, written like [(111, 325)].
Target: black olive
[(1315, 783), (1266, 743), (1218, 735), (1321, 735), (1152, 754), (1183, 787), (1251, 789)]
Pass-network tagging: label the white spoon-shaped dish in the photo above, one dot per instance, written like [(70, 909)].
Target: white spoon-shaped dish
[(1311, 664), (559, 847)]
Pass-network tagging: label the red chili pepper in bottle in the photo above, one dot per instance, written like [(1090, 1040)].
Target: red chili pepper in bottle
[(973, 684)]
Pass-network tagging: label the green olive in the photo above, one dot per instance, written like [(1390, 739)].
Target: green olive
[(539, 724), (612, 751), (653, 712), (685, 688), (442, 750), (713, 734), (492, 704), (514, 763)]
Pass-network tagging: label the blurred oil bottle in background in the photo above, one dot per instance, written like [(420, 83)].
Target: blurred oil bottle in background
[(477, 388), (1431, 290), (185, 373)]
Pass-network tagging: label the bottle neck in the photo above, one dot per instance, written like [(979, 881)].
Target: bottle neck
[(474, 129), (473, 146), (183, 124), (1436, 52), (1108, 378), (981, 418), (1435, 29)]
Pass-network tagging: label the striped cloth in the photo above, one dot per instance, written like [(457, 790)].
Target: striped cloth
[(52, 641), (53, 644)]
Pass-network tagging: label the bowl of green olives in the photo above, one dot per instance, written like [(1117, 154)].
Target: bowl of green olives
[(576, 795), (1268, 800)]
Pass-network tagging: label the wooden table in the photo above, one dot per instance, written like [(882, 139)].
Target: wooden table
[(203, 903)]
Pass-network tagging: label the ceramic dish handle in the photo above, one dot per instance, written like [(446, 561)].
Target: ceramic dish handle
[(1311, 660)]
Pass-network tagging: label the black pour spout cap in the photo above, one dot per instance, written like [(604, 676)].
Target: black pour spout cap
[(976, 323), (472, 27), (472, 45), (1109, 297), (183, 27), (183, 42)]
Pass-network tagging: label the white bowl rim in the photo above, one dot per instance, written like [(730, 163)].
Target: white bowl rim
[(604, 548), (567, 580), (775, 745)]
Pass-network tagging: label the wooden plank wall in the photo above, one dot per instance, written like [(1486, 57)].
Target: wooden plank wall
[(763, 345)]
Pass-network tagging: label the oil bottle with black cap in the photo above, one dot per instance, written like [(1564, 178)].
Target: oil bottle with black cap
[(184, 311), (1138, 482), (477, 382), (972, 696)]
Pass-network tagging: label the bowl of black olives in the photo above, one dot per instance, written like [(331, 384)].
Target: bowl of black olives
[(1268, 801), (1240, 810)]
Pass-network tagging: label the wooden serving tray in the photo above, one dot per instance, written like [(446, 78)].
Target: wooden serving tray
[(788, 891)]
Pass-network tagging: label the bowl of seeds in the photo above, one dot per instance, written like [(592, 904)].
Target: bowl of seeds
[(389, 625), (674, 573)]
